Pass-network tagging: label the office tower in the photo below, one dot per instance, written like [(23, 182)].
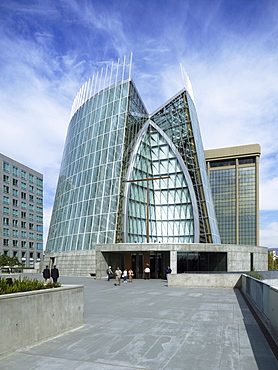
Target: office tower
[(234, 180), (21, 212)]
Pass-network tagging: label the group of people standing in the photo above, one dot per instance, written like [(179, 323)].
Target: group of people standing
[(47, 274), (128, 274), (120, 274)]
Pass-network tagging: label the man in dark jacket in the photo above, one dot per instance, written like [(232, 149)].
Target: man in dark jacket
[(168, 271), (46, 273), (54, 274)]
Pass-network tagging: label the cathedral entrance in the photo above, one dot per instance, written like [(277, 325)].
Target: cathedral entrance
[(157, 262)]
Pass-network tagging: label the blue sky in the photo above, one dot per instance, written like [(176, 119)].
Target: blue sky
[(229, 49)]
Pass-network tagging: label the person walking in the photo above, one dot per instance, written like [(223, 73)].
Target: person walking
[(118, 274), (125, 275), (46, 273), (54, 274), (109, 273), (130, 275)]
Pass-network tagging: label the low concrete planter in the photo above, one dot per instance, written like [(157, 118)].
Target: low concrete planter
[(29, 318)]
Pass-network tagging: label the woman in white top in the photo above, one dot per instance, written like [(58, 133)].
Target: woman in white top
[(147, 272)]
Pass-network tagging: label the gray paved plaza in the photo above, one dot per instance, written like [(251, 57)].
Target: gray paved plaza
[(146, 325)]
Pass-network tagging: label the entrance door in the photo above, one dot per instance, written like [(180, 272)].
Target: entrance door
[(158, 261), (137, 263)]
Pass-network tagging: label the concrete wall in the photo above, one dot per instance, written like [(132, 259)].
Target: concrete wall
[(29, 318), (75, 263), (265, 298), (205, 280)]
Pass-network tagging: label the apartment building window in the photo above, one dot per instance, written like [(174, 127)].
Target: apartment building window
[(15, 182), (31, 178), (23, 234), (15, 233), (23, 195), (6, 253), (31, 259), (23, 244), (39, 201), (31, 198), (15, 202), (6, 167), (39, 210), (23, 224), (23, 259), (31, 236), (31, 245), (6, 210), (15, 193), (15, 253), (15, 223), (6, 242), (15, 243), (6, 200), (31, 188), (39, 219), (6, 232), (39, 182), (23, 175), (39, 237), (23, 215), (39, 192), (6, 179), (40, 246), (15, 171), (6, 189), (31, 217), (23, 186), (31, 226), (39, 228), (24, 205), (6, 221), (31, 207)]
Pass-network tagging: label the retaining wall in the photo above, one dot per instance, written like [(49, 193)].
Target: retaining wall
[(265, 298), (29, 318), (205, 280)]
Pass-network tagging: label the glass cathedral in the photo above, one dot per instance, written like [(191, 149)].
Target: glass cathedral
[(128, 176)]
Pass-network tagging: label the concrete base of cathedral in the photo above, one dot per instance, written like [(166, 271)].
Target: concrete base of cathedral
[(94, 262)]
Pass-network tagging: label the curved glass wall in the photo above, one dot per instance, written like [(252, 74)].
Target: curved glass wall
[(165, 204), (178, 119), (86, 202)]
